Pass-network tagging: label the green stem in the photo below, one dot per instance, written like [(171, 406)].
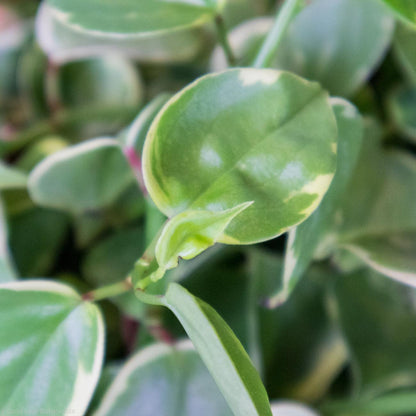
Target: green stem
[(223, 39), (158, 300), (108, 291), (284, 16)]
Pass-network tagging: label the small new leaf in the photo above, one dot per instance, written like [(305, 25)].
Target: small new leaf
[(190, 233)]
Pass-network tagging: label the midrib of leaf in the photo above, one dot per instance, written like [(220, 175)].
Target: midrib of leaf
[(254, 145), (38, 355)]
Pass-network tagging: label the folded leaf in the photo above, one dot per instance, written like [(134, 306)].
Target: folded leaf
[(190, 233), (164, 380), (243, 135), (51, 347), (221, 352)]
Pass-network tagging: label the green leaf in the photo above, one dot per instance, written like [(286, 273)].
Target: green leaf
[(405, 50), (129, 18), (243, 135), (7, 272), (63, 43), (378, 318), (111, 260), (35, 252), (405, 9), (322, 45), (303, 351), (304, 239), (164, 380), (402, 108), (190, 233), (221, 352), (84, 177), (380, 197), (105, 82), (51, 347), (11, 178), (392, 254)]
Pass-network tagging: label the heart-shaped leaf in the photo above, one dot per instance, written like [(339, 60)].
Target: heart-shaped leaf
[(243, 135), (84, 177), (51, 347), (130, 18), (165, 381), (304, 239), (221, 352)]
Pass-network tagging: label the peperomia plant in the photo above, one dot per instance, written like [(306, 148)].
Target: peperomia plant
[(201, 169)]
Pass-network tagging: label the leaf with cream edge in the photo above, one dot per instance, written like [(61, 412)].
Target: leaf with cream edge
[(243, 135), (393, 255), (187, 388), (83, 177), (190, 233), (130, 18), (47, 329), (221, 352), (63, 43), (304, 239), (404, 9)]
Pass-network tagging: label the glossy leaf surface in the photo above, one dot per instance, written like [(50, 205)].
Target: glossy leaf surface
[(243, 135), (304, 239), (221, 352), (132, 18), (378, 314), (46, 329), (337, 42), (84, 177), (165, 381)]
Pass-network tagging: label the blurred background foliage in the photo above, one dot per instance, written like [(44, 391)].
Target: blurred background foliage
[(344, 342)]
